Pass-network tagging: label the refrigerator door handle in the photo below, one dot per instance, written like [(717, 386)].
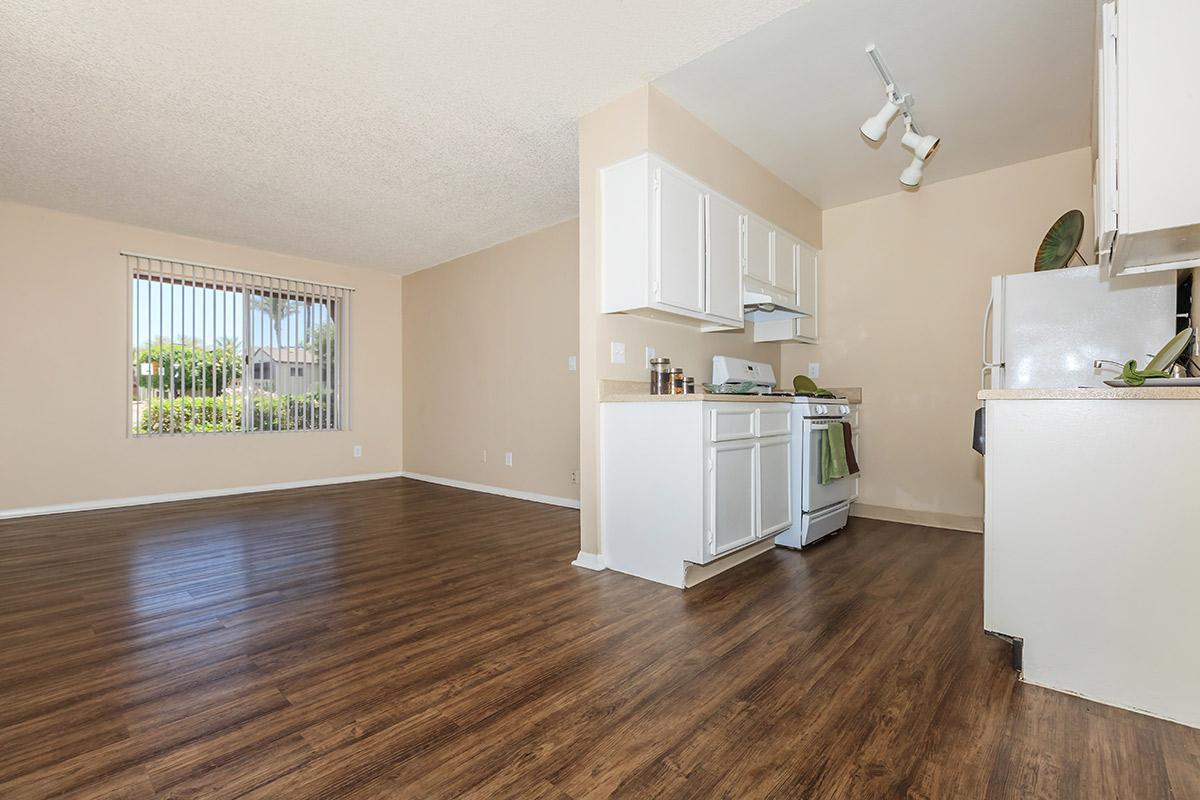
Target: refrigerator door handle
[(987, 366)]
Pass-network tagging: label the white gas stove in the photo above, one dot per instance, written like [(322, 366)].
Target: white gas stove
[(824, 508)]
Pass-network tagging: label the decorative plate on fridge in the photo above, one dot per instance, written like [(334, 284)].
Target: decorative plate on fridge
[(1060, 242)]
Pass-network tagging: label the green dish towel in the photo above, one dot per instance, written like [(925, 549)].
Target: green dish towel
[(1136, 377), (833, 454)]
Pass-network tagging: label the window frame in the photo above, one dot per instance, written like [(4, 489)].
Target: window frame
[(175, 272)]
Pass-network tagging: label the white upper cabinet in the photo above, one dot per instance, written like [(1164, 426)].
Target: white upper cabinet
[(724, 287), (804, 329), (758, 250), (770, 260), (1147, 205), (679, 241), (668, 245), (806, 280), (671, 246), (783, 256)]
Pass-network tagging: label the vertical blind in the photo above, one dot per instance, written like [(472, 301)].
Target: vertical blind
[(219, 350)]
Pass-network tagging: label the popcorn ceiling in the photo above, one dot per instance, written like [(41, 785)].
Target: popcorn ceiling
[(387, 135)]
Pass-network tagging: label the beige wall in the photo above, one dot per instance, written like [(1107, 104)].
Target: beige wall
[(64, 408), (648, 120), (904, 283), (503, 322)]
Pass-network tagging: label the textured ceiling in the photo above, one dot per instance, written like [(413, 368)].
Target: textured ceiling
[(1001, 81), (387, 134)]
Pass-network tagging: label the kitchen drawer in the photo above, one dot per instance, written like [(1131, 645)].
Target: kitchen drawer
[(775, 420), (736, 421)]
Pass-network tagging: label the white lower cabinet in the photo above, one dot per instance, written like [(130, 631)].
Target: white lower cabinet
[(688, 482), (774, 486), (731, 493)]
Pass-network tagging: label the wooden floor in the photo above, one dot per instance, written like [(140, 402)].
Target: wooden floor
[(399, 639)]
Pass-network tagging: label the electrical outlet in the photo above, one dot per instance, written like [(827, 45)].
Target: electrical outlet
[(508, 459), (572, 363), (573, 477), (616, 352), (484, 458), (358, 451), (814, 370), (649, 355)]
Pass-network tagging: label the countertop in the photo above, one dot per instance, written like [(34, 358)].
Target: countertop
[(1104, 393), (639, 392)]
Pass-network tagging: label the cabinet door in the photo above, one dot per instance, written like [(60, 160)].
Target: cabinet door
[(679, 245), (731, 495), (757, 249), (775, 486), (1106, 135), (783, 249), (808, 265), (806, 279), (723, 284)]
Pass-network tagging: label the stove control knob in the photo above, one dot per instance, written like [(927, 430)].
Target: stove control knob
[(821, 409), (845, 409)]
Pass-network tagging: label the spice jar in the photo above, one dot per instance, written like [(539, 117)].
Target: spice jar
[(677, 380), (689, 385), (660, 376)]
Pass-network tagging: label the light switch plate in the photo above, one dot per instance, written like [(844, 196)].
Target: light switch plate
[(508, 459), (814, 369), (616, 352), (649, 355), (572, 363)]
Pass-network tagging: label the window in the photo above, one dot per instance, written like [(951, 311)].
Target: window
[(205, 344)]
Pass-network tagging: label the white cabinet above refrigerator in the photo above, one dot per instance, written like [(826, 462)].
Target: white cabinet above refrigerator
[(1148, 111)]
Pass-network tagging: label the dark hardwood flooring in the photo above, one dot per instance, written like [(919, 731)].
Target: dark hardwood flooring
[(396, 639)]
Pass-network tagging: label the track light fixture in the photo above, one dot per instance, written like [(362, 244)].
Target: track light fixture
[(875, 127), (923, 146), (911, 176)]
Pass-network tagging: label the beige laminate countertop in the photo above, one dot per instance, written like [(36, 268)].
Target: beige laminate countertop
[(639, 392), (1105, 393)]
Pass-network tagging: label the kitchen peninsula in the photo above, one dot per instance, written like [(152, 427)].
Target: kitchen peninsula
[(1092, 541)]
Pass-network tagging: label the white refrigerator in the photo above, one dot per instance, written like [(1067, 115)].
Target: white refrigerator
[(1044, 330)]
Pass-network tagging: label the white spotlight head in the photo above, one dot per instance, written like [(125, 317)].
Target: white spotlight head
[(875, 127), (922, 146), (911, 176)]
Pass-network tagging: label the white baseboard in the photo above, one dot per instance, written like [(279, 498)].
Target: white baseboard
[(697, 573), (1193, 724), (930, 519), (589, 561), (565, 502), (199, 494)]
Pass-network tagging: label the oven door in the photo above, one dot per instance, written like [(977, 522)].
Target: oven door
[(815, 496)]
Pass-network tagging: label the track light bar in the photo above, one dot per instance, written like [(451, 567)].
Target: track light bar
[(923, 146)]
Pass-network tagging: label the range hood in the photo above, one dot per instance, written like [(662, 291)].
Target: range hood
[(760, 307)]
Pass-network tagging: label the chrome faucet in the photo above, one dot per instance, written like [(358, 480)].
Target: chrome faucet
[(1100, 362)]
